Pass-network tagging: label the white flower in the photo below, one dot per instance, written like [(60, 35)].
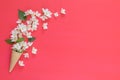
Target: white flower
[(15, 34), (47, 12), (34, 27), (21, 63), (15, 31), (45, 26), (37, 14), (22, 27), (63, 11), (26, 55), (19, 21), (33, 17), (56, 14), (29, 27), (43, 18), (29, 12), (28, 34), (34, 50), (34, 24), (24, 45), (29, 22), (16, 47), (30, 43), (14, 38)]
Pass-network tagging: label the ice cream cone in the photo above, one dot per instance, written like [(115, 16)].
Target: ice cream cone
[(14, 59)]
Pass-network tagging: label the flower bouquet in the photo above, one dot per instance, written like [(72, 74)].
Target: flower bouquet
[(21, 37)]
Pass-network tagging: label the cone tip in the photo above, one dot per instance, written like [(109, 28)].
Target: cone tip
[(10, 70)]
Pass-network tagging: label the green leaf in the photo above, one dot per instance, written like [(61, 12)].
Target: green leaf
[(31, 39), (9, 41), (20, 40), (21, 15)]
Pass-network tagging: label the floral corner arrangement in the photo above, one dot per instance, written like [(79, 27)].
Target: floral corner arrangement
[(21, 36)]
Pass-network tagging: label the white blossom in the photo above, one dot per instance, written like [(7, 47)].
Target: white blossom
[(43, 18), (28, 34), (24, 45), (29, 22), (22, 27), (29, 27), (33, 16), (26, 55), (19, 21), (30, 43), (14, 35), (34, 24), (34, 50), (47, 12), (56, 14), (63, 11), (14, 31), (29, 12), (14, 38), (34, 27), (21, 63), (37, 14), (45, 26), (16, 47)]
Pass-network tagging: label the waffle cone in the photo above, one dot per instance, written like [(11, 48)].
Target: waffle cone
[(14, 59)]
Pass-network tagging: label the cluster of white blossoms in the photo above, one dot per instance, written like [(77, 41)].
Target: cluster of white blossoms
[(24, 29), (20, 47)]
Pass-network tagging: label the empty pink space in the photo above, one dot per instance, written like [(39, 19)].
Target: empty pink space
[(82, 45)]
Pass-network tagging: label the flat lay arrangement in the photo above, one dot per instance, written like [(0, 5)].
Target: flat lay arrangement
[(60, 39), (21, 36)]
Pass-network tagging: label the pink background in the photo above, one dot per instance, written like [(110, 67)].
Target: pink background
[(82, 45)]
